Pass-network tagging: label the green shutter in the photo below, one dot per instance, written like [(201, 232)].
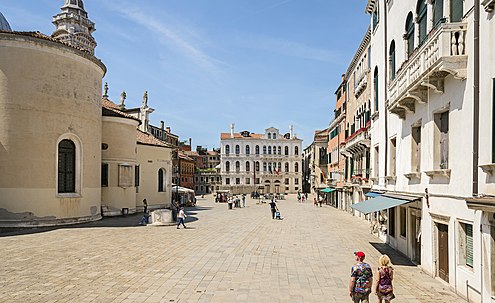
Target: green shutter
[(469, 245)]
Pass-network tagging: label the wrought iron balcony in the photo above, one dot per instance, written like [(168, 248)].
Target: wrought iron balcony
[(442, 54)]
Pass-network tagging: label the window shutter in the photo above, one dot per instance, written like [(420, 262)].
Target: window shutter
[(469, 245)]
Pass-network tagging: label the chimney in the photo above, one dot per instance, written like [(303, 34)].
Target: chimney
[(162, 125), (232, 130), (168, 129), (190, 143), (291, 129)]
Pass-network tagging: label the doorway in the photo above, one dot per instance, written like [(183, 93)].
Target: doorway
[(443, 251), (416, 238)]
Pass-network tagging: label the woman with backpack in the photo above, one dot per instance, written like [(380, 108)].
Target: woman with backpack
[(384, 289)]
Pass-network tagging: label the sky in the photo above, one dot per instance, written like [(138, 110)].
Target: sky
[(209, 63)]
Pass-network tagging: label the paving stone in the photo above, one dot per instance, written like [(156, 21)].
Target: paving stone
[(239, 255)]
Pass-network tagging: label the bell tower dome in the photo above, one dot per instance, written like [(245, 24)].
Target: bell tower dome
[(74, 27)]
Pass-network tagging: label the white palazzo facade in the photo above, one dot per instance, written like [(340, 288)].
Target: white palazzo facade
[(426, 154), (267, 163)]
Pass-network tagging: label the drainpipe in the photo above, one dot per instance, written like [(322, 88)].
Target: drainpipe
[(385, 96), (476, 95)]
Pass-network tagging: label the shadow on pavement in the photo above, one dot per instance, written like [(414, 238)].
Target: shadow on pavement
[(395, 256), (119, 221)]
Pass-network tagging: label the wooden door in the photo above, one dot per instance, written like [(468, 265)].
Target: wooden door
[(443, 251)]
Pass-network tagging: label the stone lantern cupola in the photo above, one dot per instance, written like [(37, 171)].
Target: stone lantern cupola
[(74, 27)]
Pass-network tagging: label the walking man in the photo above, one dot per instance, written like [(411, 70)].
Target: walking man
[(144, 219), (181, 217), (361, 280), (243, 200), (273, 207)]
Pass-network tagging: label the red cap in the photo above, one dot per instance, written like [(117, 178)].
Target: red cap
[(359, 254)]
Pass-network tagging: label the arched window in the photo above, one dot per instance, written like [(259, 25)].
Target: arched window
[(248, 168), (257, 166), (437, 12), (410, 33), (264, 166), (162, 180), (375, 87), (237, 149), (279, 150), (66, 166), (274, 136), (421, 12), (286, 167), (257, 149), (237, 166), (269, 135), (296, 150), (248, 150), (279, 166), (375, 16), (296, 167), (286, 150), (264, 150), (227, 149), (456, 10), (227, 166), (269, 150), (391, 60)]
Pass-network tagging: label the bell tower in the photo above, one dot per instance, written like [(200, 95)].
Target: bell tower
[(74, 27)]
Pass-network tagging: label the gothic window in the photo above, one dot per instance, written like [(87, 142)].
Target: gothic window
[(248, 166), (375, 87), (421, 12), (410, 33), (247, 150), (257, 149), (286, 167), (257, 166), (286, 150), (237, 166), (437, 11), (227, 149), (392, 60), (66, 166), (227, 166), (237, 150)]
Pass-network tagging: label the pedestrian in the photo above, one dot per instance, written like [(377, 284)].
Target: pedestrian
[(361, 280), (144, 219), (273, 207), (315, 203), (306, 196), (302, 198), (384, 289), (298, 197), (243, 200), (181, 217), (320, 201)]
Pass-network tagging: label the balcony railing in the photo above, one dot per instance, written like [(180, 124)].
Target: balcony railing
[(442, 54)]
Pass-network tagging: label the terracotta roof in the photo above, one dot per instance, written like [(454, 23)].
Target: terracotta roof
[(213, 153), (112, 109), (147, 139), (191, 153), (182, 155), (239, 136)]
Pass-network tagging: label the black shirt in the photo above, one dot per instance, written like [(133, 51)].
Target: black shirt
[(273, 205)]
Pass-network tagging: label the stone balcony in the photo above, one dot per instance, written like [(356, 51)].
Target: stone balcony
[(357, 142), (442, 54)]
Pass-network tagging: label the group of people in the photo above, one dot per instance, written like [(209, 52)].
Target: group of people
[(181, 215), (301, 197), (361, 282)]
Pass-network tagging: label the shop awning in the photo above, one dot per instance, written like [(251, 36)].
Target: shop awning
[(327, 190), (381, 202), (373, 194)]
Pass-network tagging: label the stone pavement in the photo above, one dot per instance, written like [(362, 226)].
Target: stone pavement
[(239, 255)]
